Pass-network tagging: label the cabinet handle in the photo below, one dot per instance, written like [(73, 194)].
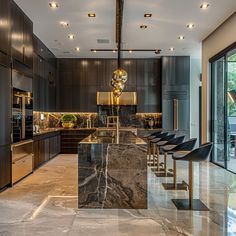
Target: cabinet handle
[(176, 114)]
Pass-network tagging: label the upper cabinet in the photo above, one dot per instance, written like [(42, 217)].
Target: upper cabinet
[(5, 32), (22, 33), (44, 77)]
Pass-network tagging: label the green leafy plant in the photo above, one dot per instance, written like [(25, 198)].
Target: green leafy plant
[(68, 118)]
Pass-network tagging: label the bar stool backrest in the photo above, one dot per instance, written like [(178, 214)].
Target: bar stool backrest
[(176, 141), (168, 137), (159, 135), (199, 154), (162, 135), (186, 146)]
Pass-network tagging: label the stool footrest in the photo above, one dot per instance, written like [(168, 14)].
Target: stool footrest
[(178, 186), (183, 204), (162, 174)]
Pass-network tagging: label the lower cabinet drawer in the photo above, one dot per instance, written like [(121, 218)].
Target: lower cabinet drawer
[(21, 168)]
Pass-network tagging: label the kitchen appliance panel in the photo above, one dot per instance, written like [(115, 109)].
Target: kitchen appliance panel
[(22, 160)]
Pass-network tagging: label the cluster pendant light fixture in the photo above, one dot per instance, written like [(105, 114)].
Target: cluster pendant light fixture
[(120, 76)]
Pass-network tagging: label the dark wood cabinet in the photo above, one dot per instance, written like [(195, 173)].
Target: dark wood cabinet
[(5, 105), (5, 166), (5, 120), (71, 137), (80, 79), (17, 43), (28, 42), (176, 93), (44, 77), (46, 146), (22, 36), (5, 28)]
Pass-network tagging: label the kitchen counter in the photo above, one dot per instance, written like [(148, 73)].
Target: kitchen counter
[(112, 175), (109, 136), (50, 130)]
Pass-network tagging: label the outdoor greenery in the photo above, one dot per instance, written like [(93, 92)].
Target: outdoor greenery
[(231, 64)]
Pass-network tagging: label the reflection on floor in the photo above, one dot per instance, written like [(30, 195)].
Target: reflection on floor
[(45, 204)]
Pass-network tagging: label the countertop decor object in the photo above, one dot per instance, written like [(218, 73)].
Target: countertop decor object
[(68, 120)]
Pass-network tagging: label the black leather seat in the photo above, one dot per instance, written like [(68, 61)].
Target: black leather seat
[(198, 155)]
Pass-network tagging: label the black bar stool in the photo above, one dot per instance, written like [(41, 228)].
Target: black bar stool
[(198, 155), (157, 143), (169, 150), (150, 139), (158, 138), (172, 142), (152, 134)]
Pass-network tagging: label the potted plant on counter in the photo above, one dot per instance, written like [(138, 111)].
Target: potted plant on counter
[(68, 121)]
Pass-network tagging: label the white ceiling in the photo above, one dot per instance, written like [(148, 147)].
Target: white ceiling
[(169, 20)]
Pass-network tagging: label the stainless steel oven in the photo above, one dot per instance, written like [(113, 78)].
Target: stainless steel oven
[(22, 115)]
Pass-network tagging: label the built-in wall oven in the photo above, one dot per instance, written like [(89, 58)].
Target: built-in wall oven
[(22, 115)]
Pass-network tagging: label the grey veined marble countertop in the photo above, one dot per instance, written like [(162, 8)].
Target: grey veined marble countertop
[(109, 136)]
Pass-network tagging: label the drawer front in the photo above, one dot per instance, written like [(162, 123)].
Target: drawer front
[(21, 168)]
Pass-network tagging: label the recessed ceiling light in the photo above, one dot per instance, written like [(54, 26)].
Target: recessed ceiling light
[(94, 50), (91, 14), (190, 26), (77, 49), (130, 51), (157, 51), (204, 5), (53, 5), (143, 26), (71, 36), (114, 51), (181, 37), (64, 23), (147, 15), (172, 49)]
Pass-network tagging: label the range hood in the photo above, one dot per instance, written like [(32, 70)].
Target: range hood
[(126, 98)]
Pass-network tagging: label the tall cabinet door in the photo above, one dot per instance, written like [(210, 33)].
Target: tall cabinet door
[(176, 93), (17, 33), (5, 131), (5, 106), (5, 28)]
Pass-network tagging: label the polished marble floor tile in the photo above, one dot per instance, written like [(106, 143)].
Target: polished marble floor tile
[(45, 203)]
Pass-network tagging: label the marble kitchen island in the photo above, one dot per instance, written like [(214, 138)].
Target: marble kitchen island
[(112, 173)]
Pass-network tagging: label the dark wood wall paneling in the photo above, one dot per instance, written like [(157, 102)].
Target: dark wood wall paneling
[(80, 79)]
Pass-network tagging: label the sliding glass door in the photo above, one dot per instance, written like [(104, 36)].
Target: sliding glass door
[(231, 110), (224, 110), (218, 111)]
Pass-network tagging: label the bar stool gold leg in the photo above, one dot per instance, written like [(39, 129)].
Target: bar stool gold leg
[(174, 174), (154, 154), (149, 150), (165, 164), (190, 183), (157, 156)]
